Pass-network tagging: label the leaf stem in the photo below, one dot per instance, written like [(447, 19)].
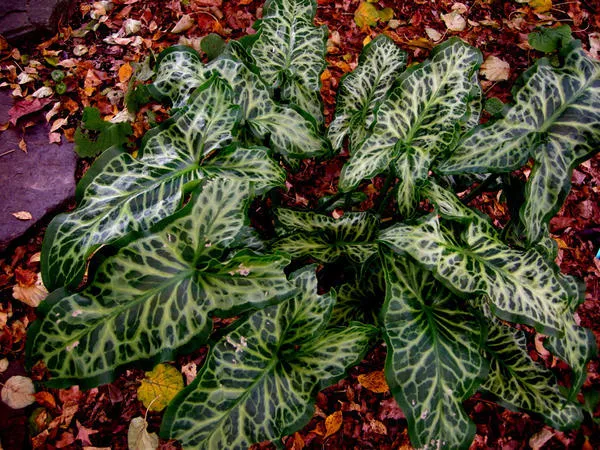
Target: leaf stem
[(386, 191), (479, 189)]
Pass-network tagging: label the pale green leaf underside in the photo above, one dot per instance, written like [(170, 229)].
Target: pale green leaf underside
[(259, 380), (555, 121), (290, 52), (434, 360), (520, 383), (123, 194), (361, 91), (522, 286), (423, 112), (325, 238), (157, 293)]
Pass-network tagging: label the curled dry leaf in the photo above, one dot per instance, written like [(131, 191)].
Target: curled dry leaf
[(138, 437), (31, 294), (18, 392), (185, 23), (495, 69), (374, 382), (333, 423)]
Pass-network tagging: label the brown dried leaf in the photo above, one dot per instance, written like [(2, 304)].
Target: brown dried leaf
[(23, 215), (374, 381)]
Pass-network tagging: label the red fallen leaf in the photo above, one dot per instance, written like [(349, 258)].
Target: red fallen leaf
[(83, 434), (25, 277), (65, 440), (26, 107), (46, 399)]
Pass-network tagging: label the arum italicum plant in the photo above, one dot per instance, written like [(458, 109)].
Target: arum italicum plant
[(167, 243)]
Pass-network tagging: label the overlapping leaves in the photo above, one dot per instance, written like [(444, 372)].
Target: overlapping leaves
[(434, 360), (288, 131), (260, 378), (555, 120), (418, 121), (121, 194), (290, 52), (305, 233), (157, 293)]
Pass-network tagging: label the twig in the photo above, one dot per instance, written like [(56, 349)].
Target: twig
[(6, 153)]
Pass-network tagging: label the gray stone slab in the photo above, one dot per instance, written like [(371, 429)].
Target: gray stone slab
[(20, 19), (39, 181)]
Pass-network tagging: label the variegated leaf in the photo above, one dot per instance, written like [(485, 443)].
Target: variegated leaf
[(423, 114), (434, 361), (520, 383), (360, 299), (120, 194), (288, 131), (362, 91), (179, 72), (555, 120), (259, 380), (290, 52), (522, 286), (157, 293), (325, 238)]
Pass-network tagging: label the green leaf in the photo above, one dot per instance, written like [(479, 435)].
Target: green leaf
[(433, 361), (120, 194), (550, 39), (95, 135), (288, 131), (363, 90), (259, 380), (213, 45), (520, 383), (325, 238), (157, 293), (555, 121), (421, 116), (282, 128), (360, 299), (494, 106), (290, 52), (522, 286), (178, 73)]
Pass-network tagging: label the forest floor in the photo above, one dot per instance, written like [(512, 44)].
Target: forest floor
[(98, 51)]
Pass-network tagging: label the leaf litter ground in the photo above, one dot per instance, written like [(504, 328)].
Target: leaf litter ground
[(92, 63)]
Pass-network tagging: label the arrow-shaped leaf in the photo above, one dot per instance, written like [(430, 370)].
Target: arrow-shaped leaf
[(157, 293), (434, 360), (555, 120), (259, 380), (290, 52), (363, 90), (422, 115)]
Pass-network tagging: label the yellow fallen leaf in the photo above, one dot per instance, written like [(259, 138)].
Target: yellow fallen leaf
[(159, 387), (23, 215), (495, 69), (541, 6), (125, 72), (374, 382), (366, 15), (333, 423), (23, 145), (18, 392)]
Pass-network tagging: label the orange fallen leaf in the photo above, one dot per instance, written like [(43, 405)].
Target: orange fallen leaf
[(378, 427), (46, 399), (23, 215), (333, 423), (374, 382), (125, 72), (23, 145)]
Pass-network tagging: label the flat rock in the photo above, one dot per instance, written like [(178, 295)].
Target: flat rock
[(37, 182), (25, 18)]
